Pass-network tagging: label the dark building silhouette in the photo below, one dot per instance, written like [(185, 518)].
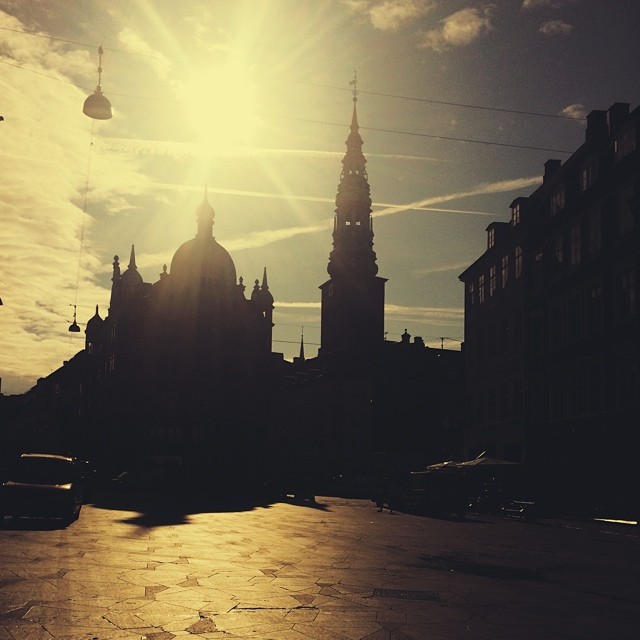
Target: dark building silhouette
[(551, 321), (364, 406), (181, 374), (353, 297)]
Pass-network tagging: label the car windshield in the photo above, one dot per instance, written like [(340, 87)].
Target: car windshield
[(42, 471)]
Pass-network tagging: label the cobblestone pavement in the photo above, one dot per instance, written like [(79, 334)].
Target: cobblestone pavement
[(337, 569)]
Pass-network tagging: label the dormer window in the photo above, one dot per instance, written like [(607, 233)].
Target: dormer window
[(558, 201), (625, 143), (491, 237), (515, 215), (587, 175)]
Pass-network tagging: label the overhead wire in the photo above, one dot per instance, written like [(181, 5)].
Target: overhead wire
[(333, 87), (323, 122)]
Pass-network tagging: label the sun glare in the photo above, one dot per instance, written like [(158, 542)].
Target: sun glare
[(220, 106)]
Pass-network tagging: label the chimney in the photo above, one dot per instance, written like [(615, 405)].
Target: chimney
[(618, 113), (550, 167), (597, 130)]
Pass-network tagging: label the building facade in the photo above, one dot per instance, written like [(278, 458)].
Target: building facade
[(364, 406), (181, 372), (551, 320)]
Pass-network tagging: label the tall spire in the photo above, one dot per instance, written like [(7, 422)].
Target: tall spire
[(205, 215), (352, 306), (132, 258), (302, 345), (353, 232)]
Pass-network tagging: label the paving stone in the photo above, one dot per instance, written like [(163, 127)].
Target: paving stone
[(291, 572)]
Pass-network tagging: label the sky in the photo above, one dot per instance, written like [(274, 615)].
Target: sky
[(460, 103)]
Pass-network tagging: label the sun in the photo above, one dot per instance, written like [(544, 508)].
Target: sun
[(220, 105)]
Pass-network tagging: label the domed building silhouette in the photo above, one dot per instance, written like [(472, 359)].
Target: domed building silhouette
[(179, 359), (180, 375)]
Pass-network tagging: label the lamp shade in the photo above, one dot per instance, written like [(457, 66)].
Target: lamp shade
[(97, 106)]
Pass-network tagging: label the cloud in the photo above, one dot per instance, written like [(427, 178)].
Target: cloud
[(135, 44), (391, 15), (574, 111), (555, 28), (434, 314), (529, 5), (49, 199), (501, 186), (442, 268), (427, 315), (459, 29)]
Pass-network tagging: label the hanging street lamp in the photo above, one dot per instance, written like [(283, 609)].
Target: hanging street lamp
[(97, 106)]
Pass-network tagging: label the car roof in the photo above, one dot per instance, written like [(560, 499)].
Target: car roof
[(50, 456)]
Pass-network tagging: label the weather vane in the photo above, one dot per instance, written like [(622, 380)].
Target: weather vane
[(354, 84)]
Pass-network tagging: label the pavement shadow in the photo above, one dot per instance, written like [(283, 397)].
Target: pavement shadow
[(158, 509), (33, 524), (462, 565), (309, 503)]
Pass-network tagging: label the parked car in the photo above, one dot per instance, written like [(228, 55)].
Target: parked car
[(42, 485)]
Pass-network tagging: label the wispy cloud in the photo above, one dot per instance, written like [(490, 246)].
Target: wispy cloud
[(459, 29), (502, 186), (442, 268), (426, 315), (392, 15), (555, 28), (529, 5), (175, 149), (435, 314), (575, 111), (263, 238), (49, 198)]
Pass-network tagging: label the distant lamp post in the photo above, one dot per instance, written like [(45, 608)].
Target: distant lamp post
[(73, 327), (97, 106)]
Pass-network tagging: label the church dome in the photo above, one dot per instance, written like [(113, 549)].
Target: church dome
[(131, 277), (203, 260), (95, 322)]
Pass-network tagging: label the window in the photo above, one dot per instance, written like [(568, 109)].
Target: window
[(472, 293), (575, 242), (587, 175), (492, 280), (625, 143), (505, 334), (518, 327), (558, 201), (504, 271), (626, 295), (594, 222), (491, 341), (515, 215), (574, 314), (518, 393), (518, 265), (505, 400), (557, 334), (536, 275), (593, 307), (491, 405), (491, 237), (559, 250), (625, 217), (481, 289)]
